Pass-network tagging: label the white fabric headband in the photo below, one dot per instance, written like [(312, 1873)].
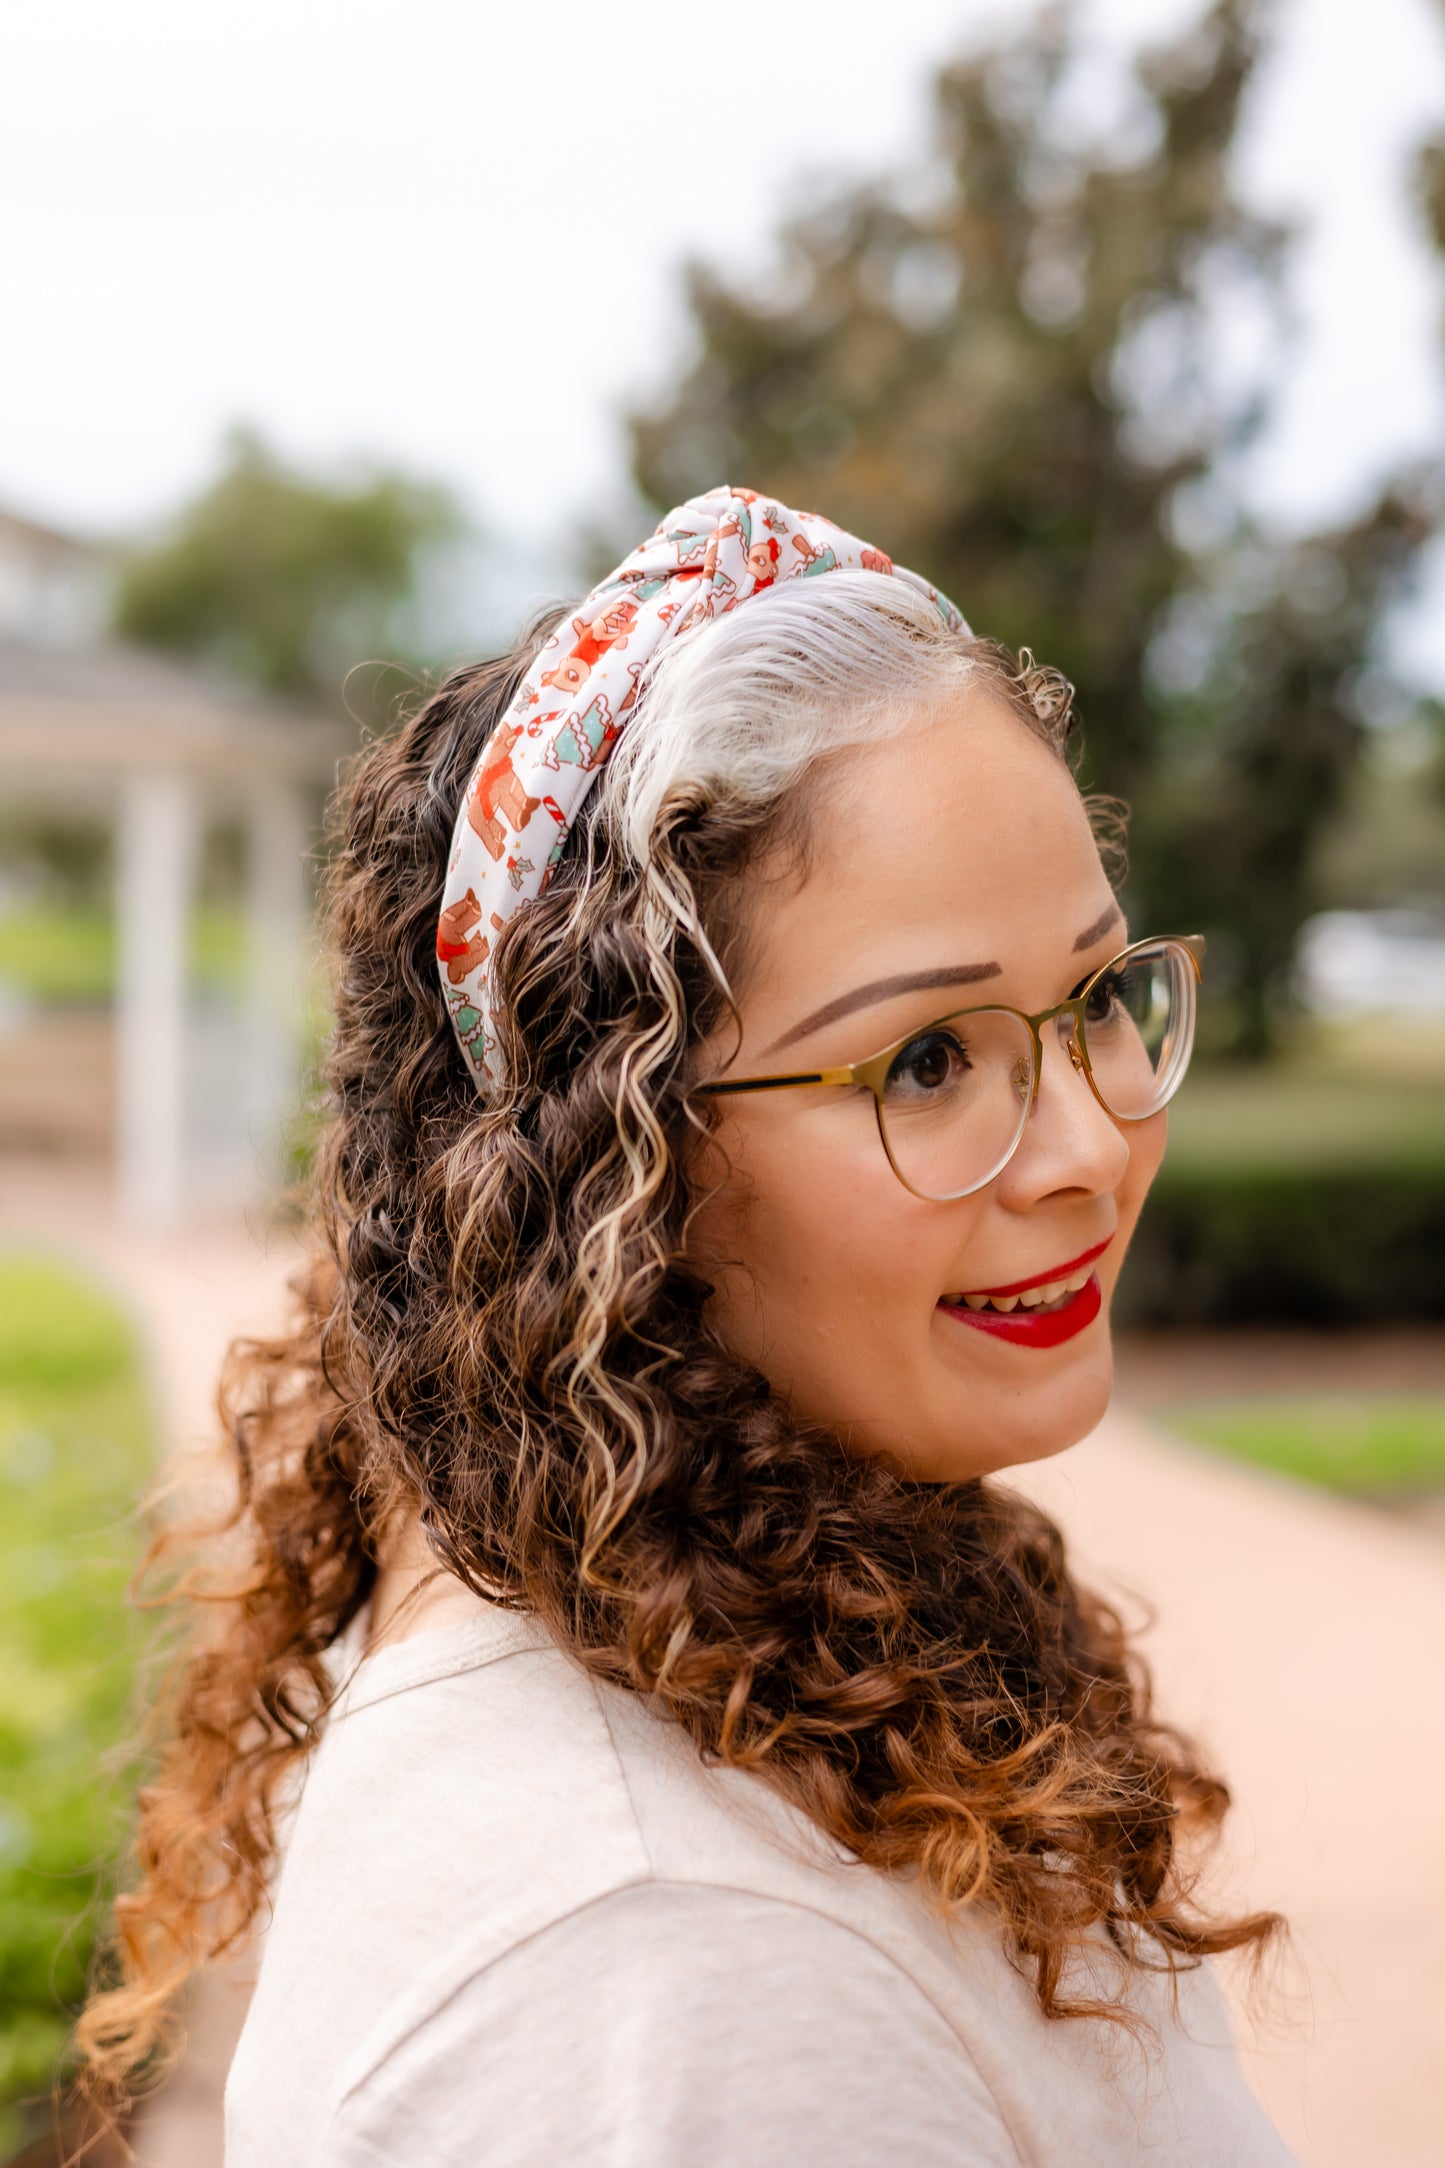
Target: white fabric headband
[(525, 792)]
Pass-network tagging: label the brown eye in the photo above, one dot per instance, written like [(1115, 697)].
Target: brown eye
[(928, 1064), (1109, 995)]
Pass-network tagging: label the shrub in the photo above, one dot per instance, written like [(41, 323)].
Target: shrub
[(1291, 1245), (74, 1454)]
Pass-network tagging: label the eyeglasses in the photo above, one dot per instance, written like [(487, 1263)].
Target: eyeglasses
[(952, 1099)]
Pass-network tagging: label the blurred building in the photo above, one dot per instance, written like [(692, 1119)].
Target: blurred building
[(54, 588), (177, 1093)]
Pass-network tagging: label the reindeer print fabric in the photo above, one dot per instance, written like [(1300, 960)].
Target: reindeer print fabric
[(704, 559)]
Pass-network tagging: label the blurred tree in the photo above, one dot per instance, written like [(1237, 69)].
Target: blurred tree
[(1386, 847), (1430, 185), (1009, 382), (284, 580), (1429, 178), (1278, 669), (1032, 380)]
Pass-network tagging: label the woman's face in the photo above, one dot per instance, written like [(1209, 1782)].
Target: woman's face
[(961, 843)]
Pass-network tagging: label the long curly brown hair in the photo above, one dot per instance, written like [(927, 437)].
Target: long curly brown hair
[(502, 1327)]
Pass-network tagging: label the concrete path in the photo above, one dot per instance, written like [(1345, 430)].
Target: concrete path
[(1299, 1637)]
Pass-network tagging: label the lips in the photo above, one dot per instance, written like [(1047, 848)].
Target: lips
[(1035, 1328), (1042, 1279), (1061, 1311)]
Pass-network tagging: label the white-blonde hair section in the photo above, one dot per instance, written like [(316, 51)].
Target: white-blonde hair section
[(737, 711)]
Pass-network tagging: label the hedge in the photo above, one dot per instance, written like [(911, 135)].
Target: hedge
[(1323, 1246)]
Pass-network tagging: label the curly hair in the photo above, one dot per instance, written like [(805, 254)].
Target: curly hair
[(502, 1328)]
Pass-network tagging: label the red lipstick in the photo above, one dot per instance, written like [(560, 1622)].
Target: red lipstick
[(1031, 1328), (1038, 1328)]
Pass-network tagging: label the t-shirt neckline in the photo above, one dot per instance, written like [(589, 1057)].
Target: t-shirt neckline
[(434, 1652)]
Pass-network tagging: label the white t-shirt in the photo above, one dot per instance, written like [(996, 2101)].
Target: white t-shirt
[(520, 1924)]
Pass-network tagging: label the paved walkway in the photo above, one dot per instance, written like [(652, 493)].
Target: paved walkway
[(1298, 1635)]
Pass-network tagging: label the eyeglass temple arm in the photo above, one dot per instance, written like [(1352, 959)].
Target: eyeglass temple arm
[(776, 1083)]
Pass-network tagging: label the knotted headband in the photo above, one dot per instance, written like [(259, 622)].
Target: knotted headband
[(527, 788)]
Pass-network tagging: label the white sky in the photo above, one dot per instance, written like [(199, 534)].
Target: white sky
[(448, 232)]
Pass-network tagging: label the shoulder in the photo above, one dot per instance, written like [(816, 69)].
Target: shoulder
[(467, 1773), (685, 2022), (479, 1762), (499, 1871), (476, 1787), (464, 1796)]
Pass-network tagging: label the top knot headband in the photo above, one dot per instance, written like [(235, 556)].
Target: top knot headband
[(525, 792)]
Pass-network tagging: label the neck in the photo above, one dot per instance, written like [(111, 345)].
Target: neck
[(413, 1592)]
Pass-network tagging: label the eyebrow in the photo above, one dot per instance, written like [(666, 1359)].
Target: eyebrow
[(863, 997), (1100, 927), (914, 982)]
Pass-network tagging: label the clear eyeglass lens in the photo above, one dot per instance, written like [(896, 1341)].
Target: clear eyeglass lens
[(956, 1100), (1139, 1029), (957, 1096)]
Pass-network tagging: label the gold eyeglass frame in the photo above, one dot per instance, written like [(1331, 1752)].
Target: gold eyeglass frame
[(874, 1071)]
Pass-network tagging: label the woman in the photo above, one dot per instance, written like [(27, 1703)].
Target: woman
[(745, 1089)]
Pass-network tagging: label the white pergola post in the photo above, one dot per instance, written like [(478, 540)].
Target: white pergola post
[(278, 833), (156, 835)]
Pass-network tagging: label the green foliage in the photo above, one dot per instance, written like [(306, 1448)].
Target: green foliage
[(74, 1453), (1013, 386), (1257, 757), (67, 952), (1387, 841), (42, 856), (1005, 385), (1295, 1244), (1309, 1192), (1373, 1444), (1304, 1116), (283, 580), (304, 1130), (1008, 384)]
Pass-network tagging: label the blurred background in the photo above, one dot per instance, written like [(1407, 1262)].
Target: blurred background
[(340, 339)]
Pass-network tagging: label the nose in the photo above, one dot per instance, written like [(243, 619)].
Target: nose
[(1070, 1140)]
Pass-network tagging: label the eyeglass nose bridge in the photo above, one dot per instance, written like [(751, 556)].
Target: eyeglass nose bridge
[(1077, 1048)]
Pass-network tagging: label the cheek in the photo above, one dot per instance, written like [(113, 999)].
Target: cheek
[(813, 1245)]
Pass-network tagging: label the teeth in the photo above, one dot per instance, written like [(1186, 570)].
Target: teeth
[(1032, 1298)]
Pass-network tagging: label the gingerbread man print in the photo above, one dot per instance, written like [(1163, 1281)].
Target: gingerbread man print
[(498, 795), (459, 946), (595, 636)]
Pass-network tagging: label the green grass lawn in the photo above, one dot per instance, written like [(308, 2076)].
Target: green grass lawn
[(75, 1450), (1367, 1444), (1292, 1115)]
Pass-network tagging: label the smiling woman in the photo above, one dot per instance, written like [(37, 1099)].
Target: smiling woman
[(704, 1761), (1000, 844)]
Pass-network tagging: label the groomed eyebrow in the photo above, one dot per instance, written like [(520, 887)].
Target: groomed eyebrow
[(1100, 927), (916, 982), (864, 997)]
